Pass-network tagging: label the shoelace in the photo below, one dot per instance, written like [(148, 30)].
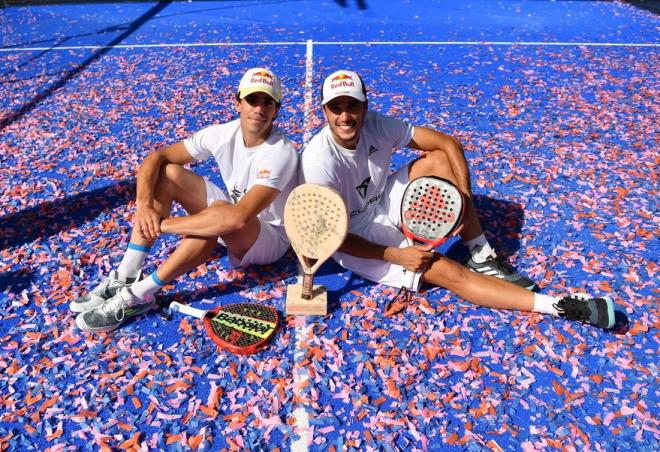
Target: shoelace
[(112, 305), (101, 288), (107, 283)]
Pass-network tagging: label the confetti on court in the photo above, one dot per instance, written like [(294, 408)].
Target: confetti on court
[(563, 154)]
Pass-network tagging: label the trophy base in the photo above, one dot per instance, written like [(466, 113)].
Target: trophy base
[(297, 305)]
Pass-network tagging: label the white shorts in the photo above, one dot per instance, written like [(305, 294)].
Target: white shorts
[(269, 247), (385, 230)]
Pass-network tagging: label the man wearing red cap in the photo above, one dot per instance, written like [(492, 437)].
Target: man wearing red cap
[(258, 165), (352, 154)]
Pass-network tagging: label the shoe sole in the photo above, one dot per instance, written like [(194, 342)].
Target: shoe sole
[(610, 307), (80, 321), (610, 311)]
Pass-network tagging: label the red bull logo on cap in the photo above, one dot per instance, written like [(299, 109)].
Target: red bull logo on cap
[(262, 77), (341, 80), (342, 77)]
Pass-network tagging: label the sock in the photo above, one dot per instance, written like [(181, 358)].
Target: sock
[(132, 261), (147, 287), (480, 249), (544, 304)]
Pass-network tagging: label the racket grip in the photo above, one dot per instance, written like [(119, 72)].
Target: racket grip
[(307, 286), (188, 310)]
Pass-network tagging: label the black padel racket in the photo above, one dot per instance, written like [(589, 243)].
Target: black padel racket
[(431, 210), (241, 328)]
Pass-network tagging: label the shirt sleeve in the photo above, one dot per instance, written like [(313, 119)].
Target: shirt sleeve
[(200, 144), (397, 132), (316, 166), (276, 169), (318, 174)]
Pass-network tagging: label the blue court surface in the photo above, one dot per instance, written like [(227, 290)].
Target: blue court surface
[(556, 104)]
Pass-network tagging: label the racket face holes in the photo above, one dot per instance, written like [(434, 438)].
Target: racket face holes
[(430, 208)]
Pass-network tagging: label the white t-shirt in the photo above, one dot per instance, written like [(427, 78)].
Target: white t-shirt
[(273, 163), (359, 175)]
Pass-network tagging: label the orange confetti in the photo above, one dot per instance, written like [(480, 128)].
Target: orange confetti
[(49, 403), (195, 441), (55, 435), (132, 441), (596, 378), (210, 412), (171, 439), (559, 389)]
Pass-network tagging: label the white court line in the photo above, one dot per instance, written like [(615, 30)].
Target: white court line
[(307, 109), (302, 331), (356, 43)]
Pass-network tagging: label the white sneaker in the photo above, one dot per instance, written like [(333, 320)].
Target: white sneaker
[(104, 291), (115, 311)]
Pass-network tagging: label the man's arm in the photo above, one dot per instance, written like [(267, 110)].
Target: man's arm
[(429, 140), (221, 217), (414, 258), (147, 218)]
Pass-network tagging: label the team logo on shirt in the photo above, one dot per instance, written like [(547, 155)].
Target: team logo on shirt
[(236, 193), (363, 187), (365, 206), (263, 173)]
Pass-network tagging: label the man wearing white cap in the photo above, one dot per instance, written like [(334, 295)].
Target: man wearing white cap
[(352, 154), (258, 165)]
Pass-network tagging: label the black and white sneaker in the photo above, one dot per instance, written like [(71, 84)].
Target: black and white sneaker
[(598, 312), (107, 289), (499, 268)]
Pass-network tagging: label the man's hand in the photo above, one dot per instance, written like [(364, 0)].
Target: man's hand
[(416, 258), (147, 222)]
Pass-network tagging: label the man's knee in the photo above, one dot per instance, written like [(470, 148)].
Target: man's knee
[(439, 159), (176, 183), (172, 172), (432, 164), (447, 273)]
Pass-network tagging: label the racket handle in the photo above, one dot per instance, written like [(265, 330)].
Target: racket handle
[(410, 275), (307, 286), (188, 310)]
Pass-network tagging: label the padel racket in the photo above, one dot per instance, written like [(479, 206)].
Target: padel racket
[(316, 222), (431, 210), (241, 328)]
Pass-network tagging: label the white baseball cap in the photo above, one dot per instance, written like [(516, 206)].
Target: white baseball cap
[(260, 80), (343, 83)]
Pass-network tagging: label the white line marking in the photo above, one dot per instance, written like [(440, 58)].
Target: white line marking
[(307, 109), (302, 331), (495, 43), (328, 43)]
